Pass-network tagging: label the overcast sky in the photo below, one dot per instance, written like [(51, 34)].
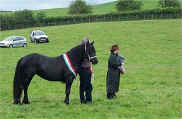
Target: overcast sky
[(40, 4)]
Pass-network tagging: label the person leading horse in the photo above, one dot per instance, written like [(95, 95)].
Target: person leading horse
[(62, 68)]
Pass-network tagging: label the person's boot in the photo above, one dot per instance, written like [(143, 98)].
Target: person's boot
[(89, 100), (114, 95), (89, 97), (109, 96), (82, 97), (83, 101)]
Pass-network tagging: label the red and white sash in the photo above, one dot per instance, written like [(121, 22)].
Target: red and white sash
[(69, 64)]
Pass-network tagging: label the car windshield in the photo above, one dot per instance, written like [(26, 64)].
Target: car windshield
[(19, 38), (9, 38), (38, 33)]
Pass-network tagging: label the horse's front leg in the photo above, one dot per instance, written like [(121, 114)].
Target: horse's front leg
[(68, 89)]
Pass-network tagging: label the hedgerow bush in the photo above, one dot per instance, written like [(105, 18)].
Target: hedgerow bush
[(12, 22), (124, 5), (169, 3)]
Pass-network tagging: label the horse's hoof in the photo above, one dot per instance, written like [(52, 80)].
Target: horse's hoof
[(83, 102), (26, 102), (89, 102), (66, 102), (16, 102)]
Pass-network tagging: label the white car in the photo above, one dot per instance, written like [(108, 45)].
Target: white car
[(14, 41), (38, 36)]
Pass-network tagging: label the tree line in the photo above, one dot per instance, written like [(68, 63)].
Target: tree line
[(80, 6)]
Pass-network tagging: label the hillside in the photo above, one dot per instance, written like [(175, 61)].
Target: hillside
[(97, 9)]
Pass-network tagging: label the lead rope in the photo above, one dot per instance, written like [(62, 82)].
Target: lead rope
[(78, 82), (86, 52), (92, 75), (92, 71)]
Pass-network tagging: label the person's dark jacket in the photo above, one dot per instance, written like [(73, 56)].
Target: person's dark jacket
[(113, 74)]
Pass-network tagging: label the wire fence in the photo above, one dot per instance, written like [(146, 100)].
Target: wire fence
[(8, 22)]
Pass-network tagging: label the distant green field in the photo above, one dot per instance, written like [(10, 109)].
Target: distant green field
[(151, 88), (97, 9)]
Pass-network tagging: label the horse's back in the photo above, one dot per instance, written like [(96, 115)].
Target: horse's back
[(49, 68)]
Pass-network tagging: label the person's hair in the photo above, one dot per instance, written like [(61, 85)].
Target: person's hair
[(114, 48), (85, 40)]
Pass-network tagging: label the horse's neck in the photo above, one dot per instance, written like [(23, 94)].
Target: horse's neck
[(75, 56)]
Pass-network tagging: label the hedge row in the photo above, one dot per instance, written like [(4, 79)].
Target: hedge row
[(6, 22)]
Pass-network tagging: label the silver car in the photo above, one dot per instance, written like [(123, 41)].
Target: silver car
[(38, 36), (14, 41)]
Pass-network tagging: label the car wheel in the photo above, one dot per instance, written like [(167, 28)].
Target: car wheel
[(47, 41), (11, 46), (24, 45), (36, 41)]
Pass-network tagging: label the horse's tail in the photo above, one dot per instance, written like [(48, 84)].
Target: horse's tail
[(17, 84)]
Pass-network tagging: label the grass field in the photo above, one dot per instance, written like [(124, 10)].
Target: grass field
[(151, 88)]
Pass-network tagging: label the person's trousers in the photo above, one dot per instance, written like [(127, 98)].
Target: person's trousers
[(85, 85)]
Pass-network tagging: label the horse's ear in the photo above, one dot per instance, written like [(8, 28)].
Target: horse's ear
[(88, 42), (92, 42)]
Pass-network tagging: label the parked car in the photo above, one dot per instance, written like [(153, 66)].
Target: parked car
[(38, 36), (14, 41)]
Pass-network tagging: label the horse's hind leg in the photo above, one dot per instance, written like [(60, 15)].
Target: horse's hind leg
[(17, 95), (68, 89), (26, 85), (17, 91)]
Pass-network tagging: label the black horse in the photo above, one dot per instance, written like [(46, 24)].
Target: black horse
[(62, 68)]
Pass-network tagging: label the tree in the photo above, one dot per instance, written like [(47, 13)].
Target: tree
[(169, 3), (123, 5), (24, 17), (40, 16), (79, 7)]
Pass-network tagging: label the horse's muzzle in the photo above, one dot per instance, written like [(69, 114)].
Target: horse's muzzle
[(94, 60)]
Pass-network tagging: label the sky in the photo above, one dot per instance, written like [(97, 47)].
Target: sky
[(41, 4)]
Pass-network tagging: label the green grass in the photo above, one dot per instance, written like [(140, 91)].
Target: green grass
[(151, 88)]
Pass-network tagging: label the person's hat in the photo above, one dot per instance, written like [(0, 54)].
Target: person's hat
[(114, 48)]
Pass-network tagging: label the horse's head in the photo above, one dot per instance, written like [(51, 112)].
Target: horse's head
[(90, 52)]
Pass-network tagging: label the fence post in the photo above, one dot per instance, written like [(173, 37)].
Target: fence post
[(89, 19)]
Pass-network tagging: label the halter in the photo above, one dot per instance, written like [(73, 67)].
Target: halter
[(90, 58)]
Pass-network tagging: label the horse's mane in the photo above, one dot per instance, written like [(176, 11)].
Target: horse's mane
[(76, 54)]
